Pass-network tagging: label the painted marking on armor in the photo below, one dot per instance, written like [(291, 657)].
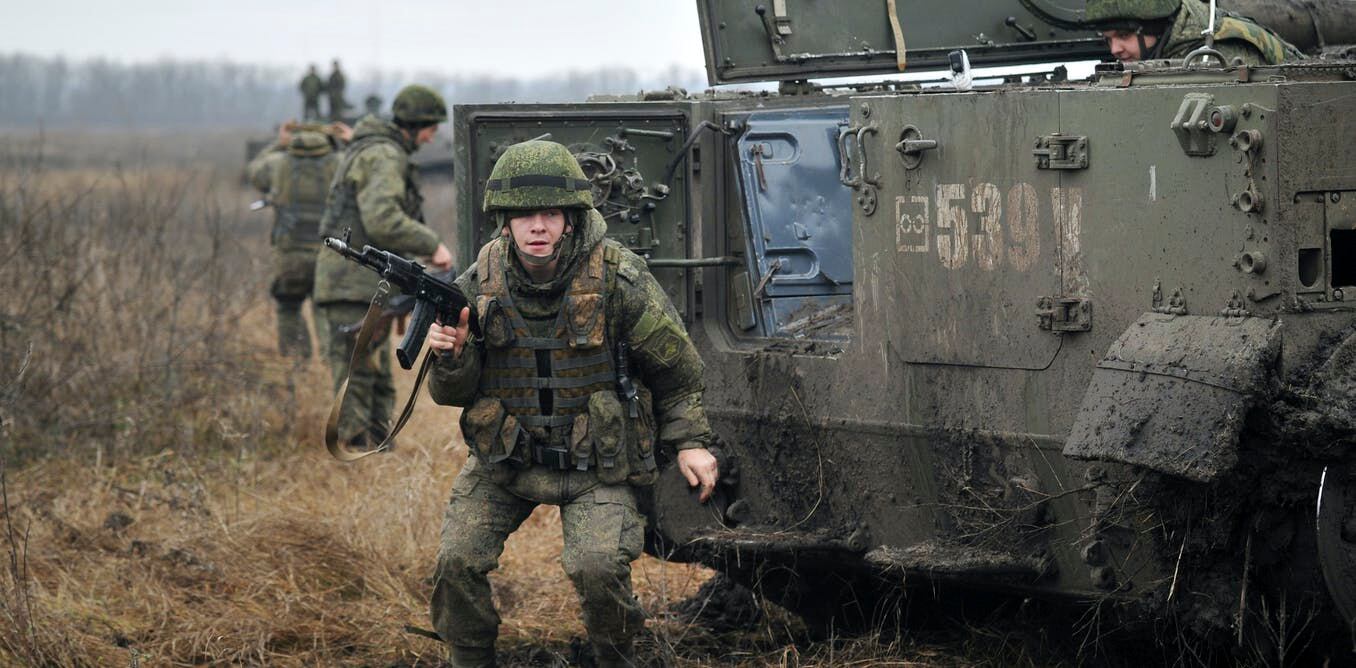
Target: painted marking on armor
[(911, 228), (984, 224), (1153, 183)]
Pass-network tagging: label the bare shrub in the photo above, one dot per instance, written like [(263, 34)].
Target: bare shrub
[(120, 328)]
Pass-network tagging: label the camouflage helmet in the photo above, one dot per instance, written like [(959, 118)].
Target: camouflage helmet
[(537, 175), (417, 104), (308, 143), (1109, 11)]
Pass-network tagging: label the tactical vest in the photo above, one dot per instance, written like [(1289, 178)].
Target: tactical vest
[(545, 382), (341, 207), (300, 188)]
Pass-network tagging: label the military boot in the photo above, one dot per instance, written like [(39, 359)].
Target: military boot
[(471, 657)]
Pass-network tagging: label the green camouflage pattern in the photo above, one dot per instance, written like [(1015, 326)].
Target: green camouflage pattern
[(297, 196), (374, 194), (418, 104), (603, 533), (335, 88), (311, 88), (308, 143), (536, 158), (1102, 11), (1235, 37), (259, 171), (293, 276), (637, 311), (370, 401)]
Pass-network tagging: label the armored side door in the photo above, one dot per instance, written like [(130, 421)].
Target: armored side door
[(958, 231), (630, 152)]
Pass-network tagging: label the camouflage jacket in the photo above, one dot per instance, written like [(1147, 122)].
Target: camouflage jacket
[(261, 168), (637, 310), (294, 223), (311, 86), (375, 194), (1235, 37)]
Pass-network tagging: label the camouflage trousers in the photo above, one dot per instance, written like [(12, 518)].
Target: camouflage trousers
[(604, 533), (293, 279), (366, 412)]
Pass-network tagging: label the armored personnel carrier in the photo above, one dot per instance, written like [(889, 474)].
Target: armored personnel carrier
[(1082, 340)]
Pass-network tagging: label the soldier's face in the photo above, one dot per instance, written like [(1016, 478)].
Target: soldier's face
[(537, 232), (425, 135), (1124, 44)]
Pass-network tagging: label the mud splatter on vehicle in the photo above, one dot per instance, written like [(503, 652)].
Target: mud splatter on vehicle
[(1075, 340)]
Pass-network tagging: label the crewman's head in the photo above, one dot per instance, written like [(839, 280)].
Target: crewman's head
[(537, 193), (1131, 28), (417, 110)]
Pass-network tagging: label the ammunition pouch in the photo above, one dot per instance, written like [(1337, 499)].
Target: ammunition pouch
[(620, 448), (493, 434)]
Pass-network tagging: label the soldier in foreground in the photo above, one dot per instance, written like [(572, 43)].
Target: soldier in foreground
[(294, 173), (311, 87), (552, 414), (374, 198), (1153, 29), (335, 89)]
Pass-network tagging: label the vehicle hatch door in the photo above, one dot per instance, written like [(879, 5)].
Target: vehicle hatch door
[(772, 40)]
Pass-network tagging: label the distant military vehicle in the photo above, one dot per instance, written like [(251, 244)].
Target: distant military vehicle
[(1085, 340)]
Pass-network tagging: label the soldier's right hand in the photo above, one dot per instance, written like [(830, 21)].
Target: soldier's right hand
[(442, 338), (285, 132), (442, 258)]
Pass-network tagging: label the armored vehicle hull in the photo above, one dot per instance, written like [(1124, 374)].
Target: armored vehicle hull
[(1077, 340)]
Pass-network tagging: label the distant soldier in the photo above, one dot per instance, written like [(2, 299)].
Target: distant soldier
[(295, 174), (1153, 29), (373, 104), (375, 198), (336, 91), (311, 89)]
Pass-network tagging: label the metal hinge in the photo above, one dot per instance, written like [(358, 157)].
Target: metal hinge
[(1064, 314), (1057, 151)]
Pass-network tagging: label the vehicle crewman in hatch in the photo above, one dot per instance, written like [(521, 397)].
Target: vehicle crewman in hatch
[(1158, 29), (584, 369)]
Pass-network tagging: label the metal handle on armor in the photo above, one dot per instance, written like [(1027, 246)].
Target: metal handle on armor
[(1202, 53), (862, 172), (845, 175)]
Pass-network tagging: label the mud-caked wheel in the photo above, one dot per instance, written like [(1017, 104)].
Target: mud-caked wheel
[(1336, 535)]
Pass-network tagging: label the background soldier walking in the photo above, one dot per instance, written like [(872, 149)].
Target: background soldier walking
[(558, 410), (295, 174), (374, 197), (311, 89), (335, 89)]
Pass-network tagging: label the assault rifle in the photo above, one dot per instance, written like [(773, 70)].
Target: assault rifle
[(434, 299)]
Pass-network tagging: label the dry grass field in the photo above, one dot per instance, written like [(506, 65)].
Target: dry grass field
[(166, 498)]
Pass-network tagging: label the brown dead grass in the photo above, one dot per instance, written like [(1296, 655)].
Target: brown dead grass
[(167, 500)]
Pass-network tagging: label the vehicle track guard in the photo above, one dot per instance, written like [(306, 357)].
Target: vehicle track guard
[(1173, 392)]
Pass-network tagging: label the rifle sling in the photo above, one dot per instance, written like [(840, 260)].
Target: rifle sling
[(362, 353)]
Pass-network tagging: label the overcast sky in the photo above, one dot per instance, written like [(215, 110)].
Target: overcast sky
[(512, 38)]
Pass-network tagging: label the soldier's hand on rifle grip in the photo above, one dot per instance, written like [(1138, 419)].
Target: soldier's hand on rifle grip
[(699, 466), (445, 337), (442, 258)]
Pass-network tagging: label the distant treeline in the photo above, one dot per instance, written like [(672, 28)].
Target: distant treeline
[(56, 92)]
